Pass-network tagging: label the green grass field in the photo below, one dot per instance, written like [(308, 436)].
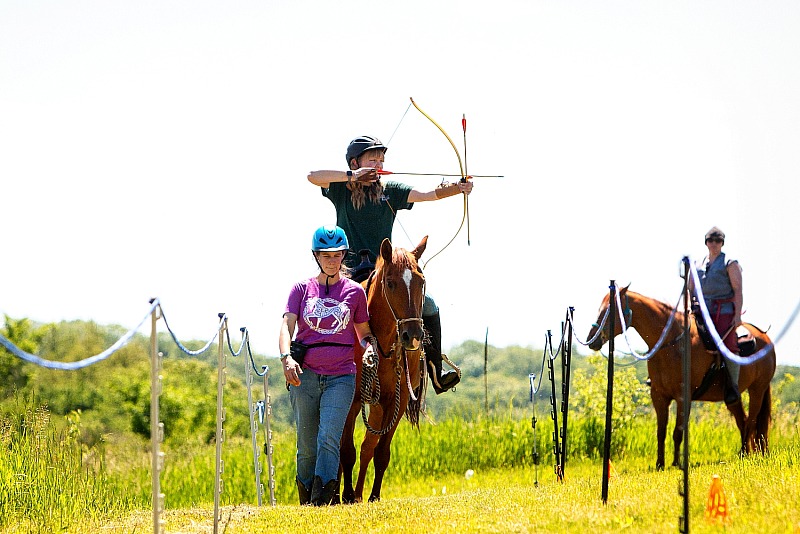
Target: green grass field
[(75, 452), (53, 483)]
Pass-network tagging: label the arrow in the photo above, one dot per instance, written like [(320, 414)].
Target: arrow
[(384, 172)]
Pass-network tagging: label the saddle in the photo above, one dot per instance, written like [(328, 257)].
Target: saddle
[(362, 271), (745, 339), (747, 346)]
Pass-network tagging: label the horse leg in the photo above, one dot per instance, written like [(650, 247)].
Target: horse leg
[(661, 406), (737, 410), (677, 434), (763, 421), (383, 453), (348, 454), (368, 449), (760, 399), (751, 423), (367, 453)]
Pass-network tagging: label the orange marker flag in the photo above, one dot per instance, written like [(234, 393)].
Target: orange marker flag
[(717, 504)]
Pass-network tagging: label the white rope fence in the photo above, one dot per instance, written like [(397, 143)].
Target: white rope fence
[(261, 407)]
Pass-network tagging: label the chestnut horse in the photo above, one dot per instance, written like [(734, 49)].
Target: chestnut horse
[(650, 317), (395, 294)]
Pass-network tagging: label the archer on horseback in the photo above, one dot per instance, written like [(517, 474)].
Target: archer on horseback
[(721, 282), (366, 209)]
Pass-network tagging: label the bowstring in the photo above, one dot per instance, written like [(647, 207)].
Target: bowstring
[(394, 212), (398, 126)]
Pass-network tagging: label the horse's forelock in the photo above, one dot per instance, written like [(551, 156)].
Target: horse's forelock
[(402, 259)]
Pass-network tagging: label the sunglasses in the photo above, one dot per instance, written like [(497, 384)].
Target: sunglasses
[(714, 240)]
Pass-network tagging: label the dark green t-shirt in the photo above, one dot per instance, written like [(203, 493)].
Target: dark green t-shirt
[(367, 227)]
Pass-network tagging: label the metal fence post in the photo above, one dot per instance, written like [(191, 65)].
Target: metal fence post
[(248, 373), (268, 436), (156, 427), (220, 435)]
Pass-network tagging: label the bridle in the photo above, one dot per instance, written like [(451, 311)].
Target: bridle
[(398, 322), (370, 393), (627, 315)]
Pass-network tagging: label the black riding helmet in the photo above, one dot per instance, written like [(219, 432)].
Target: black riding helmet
[(359, 145)]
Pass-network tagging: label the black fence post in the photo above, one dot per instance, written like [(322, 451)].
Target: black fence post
[(687, 397), (566, 364), (612, 319)]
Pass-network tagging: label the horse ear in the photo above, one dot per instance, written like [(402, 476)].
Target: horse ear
[(417, 252), (625, 289), (386, 250)]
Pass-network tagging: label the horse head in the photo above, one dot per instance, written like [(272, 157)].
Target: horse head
[(401, 285), (598, 335)]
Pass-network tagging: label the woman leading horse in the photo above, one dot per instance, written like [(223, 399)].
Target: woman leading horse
[(650, 318)]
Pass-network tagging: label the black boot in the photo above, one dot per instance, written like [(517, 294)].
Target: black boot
[(303, 493), (322, 494), (442, 381), (732, 395)]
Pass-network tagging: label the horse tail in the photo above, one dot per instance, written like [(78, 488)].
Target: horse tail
[(763, 420)]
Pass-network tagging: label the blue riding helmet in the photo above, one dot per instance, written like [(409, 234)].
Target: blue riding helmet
[(359, 145), (329, 238)]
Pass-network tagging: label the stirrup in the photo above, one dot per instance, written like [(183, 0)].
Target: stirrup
[(453, 376), (451, 364)]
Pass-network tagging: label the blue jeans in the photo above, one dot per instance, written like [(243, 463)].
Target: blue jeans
[(429, 306), (320, 404)]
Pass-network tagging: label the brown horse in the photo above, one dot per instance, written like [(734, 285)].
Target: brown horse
[(650, 317), (395, 293)]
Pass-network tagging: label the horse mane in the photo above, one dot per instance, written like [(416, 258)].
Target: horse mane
[(661, 305), (402, 259)]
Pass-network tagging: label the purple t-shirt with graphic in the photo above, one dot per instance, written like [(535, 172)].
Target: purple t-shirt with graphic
[(328, 317)]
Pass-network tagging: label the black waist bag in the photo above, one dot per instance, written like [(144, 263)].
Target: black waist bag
[(298, 350)]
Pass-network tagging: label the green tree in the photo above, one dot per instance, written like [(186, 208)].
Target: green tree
[(13, 369)]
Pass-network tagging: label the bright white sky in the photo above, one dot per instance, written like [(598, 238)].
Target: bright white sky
[(160, 149)]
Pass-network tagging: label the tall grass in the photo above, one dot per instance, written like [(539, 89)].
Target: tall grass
[(450, 447), (51, 482)]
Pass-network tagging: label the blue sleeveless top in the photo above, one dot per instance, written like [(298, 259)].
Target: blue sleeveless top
[(716, 284)]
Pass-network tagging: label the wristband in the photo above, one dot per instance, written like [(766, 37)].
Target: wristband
[(349, 176), (284, 356), (447, 190)]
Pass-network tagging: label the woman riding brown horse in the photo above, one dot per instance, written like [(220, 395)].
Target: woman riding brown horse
[(395, 293), (650, 317)]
